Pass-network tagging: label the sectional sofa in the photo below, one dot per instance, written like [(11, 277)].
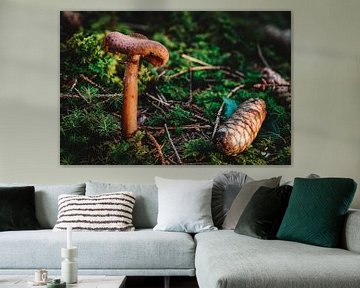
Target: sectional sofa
[(218, 259)]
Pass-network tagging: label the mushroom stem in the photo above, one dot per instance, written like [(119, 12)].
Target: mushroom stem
[(130, 101), (135, 46)]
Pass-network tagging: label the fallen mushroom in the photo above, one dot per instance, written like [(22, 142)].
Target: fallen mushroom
[(134, 46), (240, 130)]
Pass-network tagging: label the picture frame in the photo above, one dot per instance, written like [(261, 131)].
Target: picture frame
[(222, 96)]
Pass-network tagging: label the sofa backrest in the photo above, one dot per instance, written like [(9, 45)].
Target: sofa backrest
[(146, 203), (46, 200)]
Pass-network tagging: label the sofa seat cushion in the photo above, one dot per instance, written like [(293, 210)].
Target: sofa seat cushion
[(141, 249), (226, 259)]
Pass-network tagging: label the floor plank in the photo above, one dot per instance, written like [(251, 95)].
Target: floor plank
[(158, 282)]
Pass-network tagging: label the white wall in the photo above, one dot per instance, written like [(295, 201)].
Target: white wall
[(326, 91)]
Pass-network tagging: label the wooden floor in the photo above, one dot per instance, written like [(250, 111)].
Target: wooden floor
[(158, 282)]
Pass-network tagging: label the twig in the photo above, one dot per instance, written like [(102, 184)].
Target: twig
[(92, 95), (74, 84), (172, 161), (69, 96), (234, 90), (161, 74), (218, 115), (262, 56), (161, 95), (185, 127), (226, 70), (82, 96), (190, 89), (171, 104), (161, 101), (158, 148), (192, 59), (159, 108), (172, 144), (201, 118), (92, 82)]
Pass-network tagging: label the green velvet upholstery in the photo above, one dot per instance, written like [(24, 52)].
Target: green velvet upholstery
[(316, 211)]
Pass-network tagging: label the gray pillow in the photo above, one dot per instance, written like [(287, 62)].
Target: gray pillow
[(46, 200), (242, 199), (226, 187), (146, 206), (184, 205), (310, 176)]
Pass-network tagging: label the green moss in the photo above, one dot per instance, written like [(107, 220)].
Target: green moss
[(132, 151), (83, 54), (198, 149)]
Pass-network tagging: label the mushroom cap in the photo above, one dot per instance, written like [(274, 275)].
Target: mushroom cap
[(137, 44)]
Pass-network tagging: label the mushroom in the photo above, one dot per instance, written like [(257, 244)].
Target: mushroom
[(134, 46)]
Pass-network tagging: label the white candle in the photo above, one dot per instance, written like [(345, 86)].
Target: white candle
[(69, 237)]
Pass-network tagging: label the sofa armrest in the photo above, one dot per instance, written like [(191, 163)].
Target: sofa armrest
[(351, 234)]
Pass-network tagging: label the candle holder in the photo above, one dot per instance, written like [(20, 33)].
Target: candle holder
[(69, 271)]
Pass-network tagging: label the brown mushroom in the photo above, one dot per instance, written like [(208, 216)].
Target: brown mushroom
[(134, 46)]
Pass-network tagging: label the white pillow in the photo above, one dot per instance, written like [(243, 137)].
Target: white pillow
[(184, 205), (104, 212)]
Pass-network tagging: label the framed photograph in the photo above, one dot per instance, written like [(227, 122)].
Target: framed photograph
[(175, 88)]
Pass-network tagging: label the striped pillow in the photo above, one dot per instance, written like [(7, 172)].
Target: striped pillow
[(105, 212)]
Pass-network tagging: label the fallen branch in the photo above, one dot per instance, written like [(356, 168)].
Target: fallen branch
[(70, 96), (74, 84), (161, 74), (171, 104), (218, 114), (190, 89), (160, 100), (192, 59), (275, 82), (161, 96), (261, 55), (81, 96), (92, 82), (226, 70), (201, 118), (64, 96), (158, 148), (172, 144), (185, 127)]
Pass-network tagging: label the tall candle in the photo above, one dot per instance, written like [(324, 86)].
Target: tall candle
[(69, 237)]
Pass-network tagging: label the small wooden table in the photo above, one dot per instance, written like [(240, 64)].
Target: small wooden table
[(84, 281)]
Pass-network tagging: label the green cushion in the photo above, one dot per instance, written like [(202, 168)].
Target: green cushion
[(263, 215), (316, 211), (17, 208)]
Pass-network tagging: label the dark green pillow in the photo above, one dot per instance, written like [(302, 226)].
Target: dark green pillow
[(17, 208), (316, 211), (264, 213)]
